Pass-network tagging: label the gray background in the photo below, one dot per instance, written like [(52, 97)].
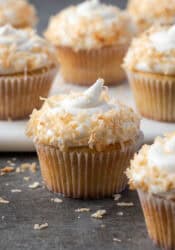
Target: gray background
[(46, 8)]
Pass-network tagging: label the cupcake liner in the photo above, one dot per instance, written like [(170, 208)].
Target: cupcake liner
[(154, 95), (85, 173), (160, 219), (20, 94), (84, 67)]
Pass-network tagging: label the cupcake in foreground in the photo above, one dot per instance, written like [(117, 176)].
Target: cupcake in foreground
[(18, 13), (91, 39), (27, 69), (152, 173), (145, 13), (84, 142), (150, 65)]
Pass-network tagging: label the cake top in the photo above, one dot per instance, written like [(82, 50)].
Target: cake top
[(84, 119), (90, 25), (18, 13), (153, 51), (153, 168), (148, 12), (23, 50)]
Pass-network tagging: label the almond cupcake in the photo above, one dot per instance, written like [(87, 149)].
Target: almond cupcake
[(27, 68), (84, 142), (152, 173), (145, 13), (150, 66), (18, 13), (91, 39)]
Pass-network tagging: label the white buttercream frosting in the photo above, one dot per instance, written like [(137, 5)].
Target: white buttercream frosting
[(88, 118), (153, 52), (84, 26), (153, 169), (23, 50), (18, 13)]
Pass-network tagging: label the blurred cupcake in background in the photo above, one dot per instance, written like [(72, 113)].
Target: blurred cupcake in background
[(152, 173), (145, 13), (84, 142), (27, 69), (19, 13), (91, 39), (150, 65)]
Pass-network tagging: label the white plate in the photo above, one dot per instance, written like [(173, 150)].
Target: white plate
[(12, 133)]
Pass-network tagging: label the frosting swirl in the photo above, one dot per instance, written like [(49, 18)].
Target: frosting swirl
[(153, 168), (84, 119), (84, 26), (23, 50)]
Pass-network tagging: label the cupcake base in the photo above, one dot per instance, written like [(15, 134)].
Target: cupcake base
[(84, 173), (154, 95), (84, 67), (20, 94), (160, 219)]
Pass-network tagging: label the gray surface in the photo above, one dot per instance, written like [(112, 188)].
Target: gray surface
[(66, 230)]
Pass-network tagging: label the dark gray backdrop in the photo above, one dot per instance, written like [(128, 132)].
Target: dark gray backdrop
[(46, 8)]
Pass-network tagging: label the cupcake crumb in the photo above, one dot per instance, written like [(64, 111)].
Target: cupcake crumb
[(120, 213), (117, 197), (16, 190), (27, 166), (117, 240), (81, 210), (56, 200), (34, 185), (6, 170), (26, 178), (3, 201), (102, 225), (40, 226), (125, 204), (99, 214)]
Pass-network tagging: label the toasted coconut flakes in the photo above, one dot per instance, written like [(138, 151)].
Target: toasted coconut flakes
[(40, 226), (34, 185), (26, 178), (120, 213), (56, 200), (3, 201), (99, 214), (27, 166), (80, 210), (7, 169), (117, 197), (16, 190), (116, 240), (125, 204)]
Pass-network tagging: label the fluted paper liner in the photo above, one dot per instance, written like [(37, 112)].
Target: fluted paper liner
[(84, 67), (85, 173), (154, 95), (160, 219), (20, 94)]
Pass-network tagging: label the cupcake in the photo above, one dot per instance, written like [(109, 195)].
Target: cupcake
[(152, 173), (27, 68), (84, 142), (145, 13), (150, 66), (91, 39), (18, 13)]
